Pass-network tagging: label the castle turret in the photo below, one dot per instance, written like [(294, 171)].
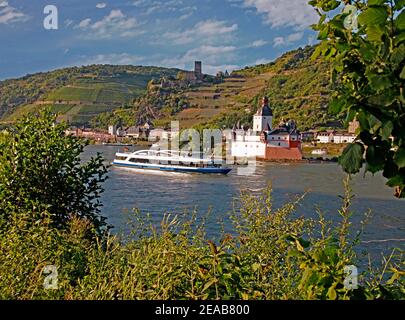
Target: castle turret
[(263, 119)]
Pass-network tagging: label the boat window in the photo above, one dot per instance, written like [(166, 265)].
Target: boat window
[(121, 158), (139, 160)]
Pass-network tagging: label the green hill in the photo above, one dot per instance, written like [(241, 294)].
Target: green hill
[(297, 87), (77, 93)]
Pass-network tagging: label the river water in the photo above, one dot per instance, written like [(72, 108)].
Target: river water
[(162, 193)]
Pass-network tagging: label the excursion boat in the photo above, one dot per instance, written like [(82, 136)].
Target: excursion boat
[(170, 161)]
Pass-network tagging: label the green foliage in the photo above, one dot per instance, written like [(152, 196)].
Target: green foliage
[(368, 70), (298, 88), (226, 120), (98, 84), (265, 257), (156, 104), (41, 170)]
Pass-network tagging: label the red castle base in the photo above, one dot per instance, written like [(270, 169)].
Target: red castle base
[(274, 153)]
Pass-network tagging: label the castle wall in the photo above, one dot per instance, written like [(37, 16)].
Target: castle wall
[(273, 153)]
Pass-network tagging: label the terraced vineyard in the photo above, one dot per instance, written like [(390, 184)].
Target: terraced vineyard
[(297, 87), (76, 94)]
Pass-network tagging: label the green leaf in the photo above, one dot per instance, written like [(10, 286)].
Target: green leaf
[(394, 181), (399, 38), (376, 2), (390, 169), (375, 157), (374, 32), (336, 105), (399, 4), (352, 158), (363, 119), (256, 266), (398, 55), (373, 16), (208, 284), (386, 130), (399, 157), (385, 98), (402, 75), (380, 82), (400, 21), (332, 295)]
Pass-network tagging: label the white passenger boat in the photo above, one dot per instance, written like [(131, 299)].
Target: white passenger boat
[(169, 160)]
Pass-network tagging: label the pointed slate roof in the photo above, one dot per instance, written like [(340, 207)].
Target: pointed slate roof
[(265, 110)]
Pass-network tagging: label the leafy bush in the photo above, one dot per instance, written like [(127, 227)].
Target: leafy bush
[(369, 72), (48, 219), (40, 169), (265, 257)]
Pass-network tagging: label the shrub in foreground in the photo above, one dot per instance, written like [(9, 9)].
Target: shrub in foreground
[(269, 255)]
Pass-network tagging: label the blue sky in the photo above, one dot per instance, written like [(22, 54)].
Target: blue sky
[(224, 34)]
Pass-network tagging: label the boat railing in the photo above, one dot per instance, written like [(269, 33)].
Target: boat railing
[(175, 154), (173, 157)]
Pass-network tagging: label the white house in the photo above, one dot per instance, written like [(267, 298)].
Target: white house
[(112, 130), (324, 137), (335, 137), (282, 137), (344, 138)]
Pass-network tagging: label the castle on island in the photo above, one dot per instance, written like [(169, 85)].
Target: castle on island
[(266, 142)]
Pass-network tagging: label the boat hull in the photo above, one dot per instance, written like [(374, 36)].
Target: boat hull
[(206, 170)]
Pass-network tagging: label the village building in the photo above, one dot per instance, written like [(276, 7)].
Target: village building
[(335, 137), (308, 136), (136, 132)]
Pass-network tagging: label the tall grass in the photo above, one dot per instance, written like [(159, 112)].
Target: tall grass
[(269, 255)]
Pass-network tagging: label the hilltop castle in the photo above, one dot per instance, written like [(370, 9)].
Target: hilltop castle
[(265, 142), (195, 75)]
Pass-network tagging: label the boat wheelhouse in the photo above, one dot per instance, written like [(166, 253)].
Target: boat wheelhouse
[(170, 161)]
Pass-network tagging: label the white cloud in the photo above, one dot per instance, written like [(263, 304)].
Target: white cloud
[(149, 7), (210, 69), (258, 43), (115, 24), (113, 58), (9, 14), (208, 31), (278, 41), (101, 5), (292, 13), (295, 37), (185, 16), (211, 54), (84, 23), (284, 41), (139, 3)]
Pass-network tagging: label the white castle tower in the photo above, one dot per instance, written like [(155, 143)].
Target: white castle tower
[(263, 119)]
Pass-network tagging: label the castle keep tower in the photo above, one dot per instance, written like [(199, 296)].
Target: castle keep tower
[(263, 119), (198, 70)]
